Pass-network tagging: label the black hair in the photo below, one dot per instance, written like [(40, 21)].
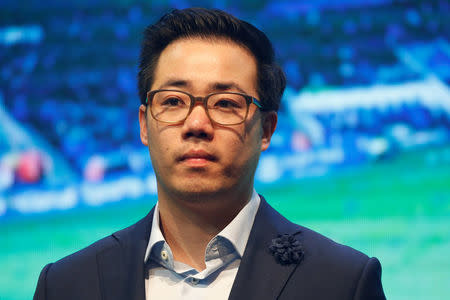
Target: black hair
[(212, 23)]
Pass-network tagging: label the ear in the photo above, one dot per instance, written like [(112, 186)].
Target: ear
[(143, 124), (269, 123)]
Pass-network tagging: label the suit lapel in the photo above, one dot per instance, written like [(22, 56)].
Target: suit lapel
[(121, 266), (259, 275)]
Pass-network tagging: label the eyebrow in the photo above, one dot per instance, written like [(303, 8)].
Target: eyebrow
[(174, 83), (215, 86), (225, 86)]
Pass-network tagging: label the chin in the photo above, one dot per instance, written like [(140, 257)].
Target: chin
[(199, 189)]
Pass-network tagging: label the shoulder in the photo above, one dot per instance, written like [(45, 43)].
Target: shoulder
[(336, 269), (326, 270), (315, 245), (82, 274), (319, 246), (319, 251), (84, 257), (74, 275), (84, 261), (329, 268)]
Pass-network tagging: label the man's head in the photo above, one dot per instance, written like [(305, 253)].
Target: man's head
[(197, 156), (212, 24)]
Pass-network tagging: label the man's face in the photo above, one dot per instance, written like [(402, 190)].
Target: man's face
[(199, 157)]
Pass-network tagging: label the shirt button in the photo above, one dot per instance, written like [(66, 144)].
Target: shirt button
[(194, 281), (164, 255)]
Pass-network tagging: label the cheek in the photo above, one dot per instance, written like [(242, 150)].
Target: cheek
[(242, 164), (159, 145), (244, 151)]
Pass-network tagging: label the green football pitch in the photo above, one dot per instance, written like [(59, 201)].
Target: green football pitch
[(397, 210)]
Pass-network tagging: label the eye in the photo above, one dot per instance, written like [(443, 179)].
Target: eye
[(227, 103), (172, 101)]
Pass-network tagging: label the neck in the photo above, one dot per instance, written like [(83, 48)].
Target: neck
[(189, 223)]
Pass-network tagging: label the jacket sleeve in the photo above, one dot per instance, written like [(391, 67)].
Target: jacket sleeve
[(369, 285), (41, 289)]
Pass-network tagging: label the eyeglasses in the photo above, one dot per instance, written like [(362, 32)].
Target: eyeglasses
[(225, 108)]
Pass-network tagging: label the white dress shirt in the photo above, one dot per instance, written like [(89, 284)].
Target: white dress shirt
[(170, 279)]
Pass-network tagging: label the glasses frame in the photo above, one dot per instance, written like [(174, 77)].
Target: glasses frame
[(194, 99)]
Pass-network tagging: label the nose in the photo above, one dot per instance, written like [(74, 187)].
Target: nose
[(198, 124)]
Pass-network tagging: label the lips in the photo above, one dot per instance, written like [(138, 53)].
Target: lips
[(197, 156)]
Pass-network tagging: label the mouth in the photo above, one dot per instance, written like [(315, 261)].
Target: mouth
[(197, 158)]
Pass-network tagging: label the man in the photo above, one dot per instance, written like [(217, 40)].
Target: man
[(209, 90)]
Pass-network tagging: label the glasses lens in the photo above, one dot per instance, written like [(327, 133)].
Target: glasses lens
[(170, 106), (227, 108)]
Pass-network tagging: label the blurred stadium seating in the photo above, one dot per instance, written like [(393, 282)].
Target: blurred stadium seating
[(366, 80), (368, 95)]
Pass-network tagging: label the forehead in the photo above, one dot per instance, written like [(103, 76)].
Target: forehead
[(201, 61)]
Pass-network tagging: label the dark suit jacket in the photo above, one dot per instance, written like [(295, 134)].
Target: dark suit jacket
[(113, 268)]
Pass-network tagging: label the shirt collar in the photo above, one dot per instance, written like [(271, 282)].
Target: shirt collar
[(155, 234), (237, 231)]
